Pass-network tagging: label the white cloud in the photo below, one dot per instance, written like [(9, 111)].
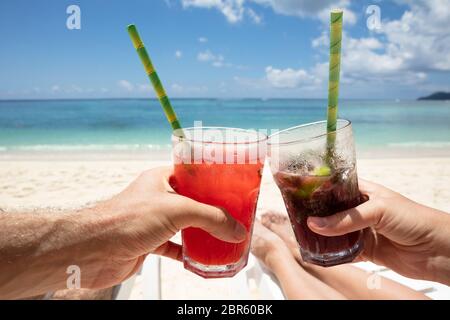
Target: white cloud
[(74, 88), (133, 87), (205, 56), (256, 18), (202, 39), (145, 87), (321, 41), (410, 47), (235, 10), (301, 7), (168, 3), (360, 56), (126, 85), (366, 60), (189, 89), (217, 64), (178, 54), (289, 78), (176, 87), (307, 8), (420, 38), (256, 84), (216, 60), (402, 53), (63, 89)]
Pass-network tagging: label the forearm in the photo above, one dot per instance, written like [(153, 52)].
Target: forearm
[(440, 260), (297, 284), (37, 249), (355, 283)]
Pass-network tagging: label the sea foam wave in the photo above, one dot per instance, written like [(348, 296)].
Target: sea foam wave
[(87, 147), (420, 144)]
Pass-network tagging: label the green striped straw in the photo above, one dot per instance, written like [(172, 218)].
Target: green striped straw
[(154, 79), (333, 78)]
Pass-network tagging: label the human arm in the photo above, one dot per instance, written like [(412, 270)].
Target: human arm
[(108, 242)]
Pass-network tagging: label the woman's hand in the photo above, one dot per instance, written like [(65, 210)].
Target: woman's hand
[(407, 237)]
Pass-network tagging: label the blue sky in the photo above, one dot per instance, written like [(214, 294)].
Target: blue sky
[(222, 48)]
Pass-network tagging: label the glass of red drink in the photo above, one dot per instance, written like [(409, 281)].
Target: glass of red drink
[(316, 180), (221, 167)]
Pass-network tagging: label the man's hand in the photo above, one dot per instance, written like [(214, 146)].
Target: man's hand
[(152, 213), (108, 243)]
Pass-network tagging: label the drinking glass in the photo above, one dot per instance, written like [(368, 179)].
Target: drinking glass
[(317, 179), (221, 167)]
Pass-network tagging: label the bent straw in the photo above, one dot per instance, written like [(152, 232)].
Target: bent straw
[(154, 79), (333, 78)]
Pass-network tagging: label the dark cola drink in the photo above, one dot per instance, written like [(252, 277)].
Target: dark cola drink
[(321, 192)]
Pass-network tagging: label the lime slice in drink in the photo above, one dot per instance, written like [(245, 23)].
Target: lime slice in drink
[(322, 171), (309, 184)]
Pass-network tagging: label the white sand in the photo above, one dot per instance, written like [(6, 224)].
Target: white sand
[(73, 183), (68, 184)]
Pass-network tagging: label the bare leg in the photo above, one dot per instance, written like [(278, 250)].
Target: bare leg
[(295, 282), (351, 281)]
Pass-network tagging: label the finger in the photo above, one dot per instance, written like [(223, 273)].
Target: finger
[(163, 172), (170, 250), (166, 172), (370, 188), (216, 221), (156, 178), (136, 267), (363, 216), (367, 187), (169, 181)]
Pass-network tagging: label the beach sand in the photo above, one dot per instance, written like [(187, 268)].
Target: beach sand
[(28, 184)]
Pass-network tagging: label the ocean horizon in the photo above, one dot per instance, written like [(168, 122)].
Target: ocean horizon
[(133, 124)]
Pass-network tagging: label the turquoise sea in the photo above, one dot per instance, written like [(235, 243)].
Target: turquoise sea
[(127, 124)]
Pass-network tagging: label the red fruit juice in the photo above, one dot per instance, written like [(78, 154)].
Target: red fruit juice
[(233, 187)]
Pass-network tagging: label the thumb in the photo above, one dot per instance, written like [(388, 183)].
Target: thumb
[(213, 220), (365, 215)]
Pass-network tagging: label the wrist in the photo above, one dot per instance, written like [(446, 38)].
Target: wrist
[(85, 239)]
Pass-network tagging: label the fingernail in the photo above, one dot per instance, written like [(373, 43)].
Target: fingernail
[(318, 222), (240, 233)]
